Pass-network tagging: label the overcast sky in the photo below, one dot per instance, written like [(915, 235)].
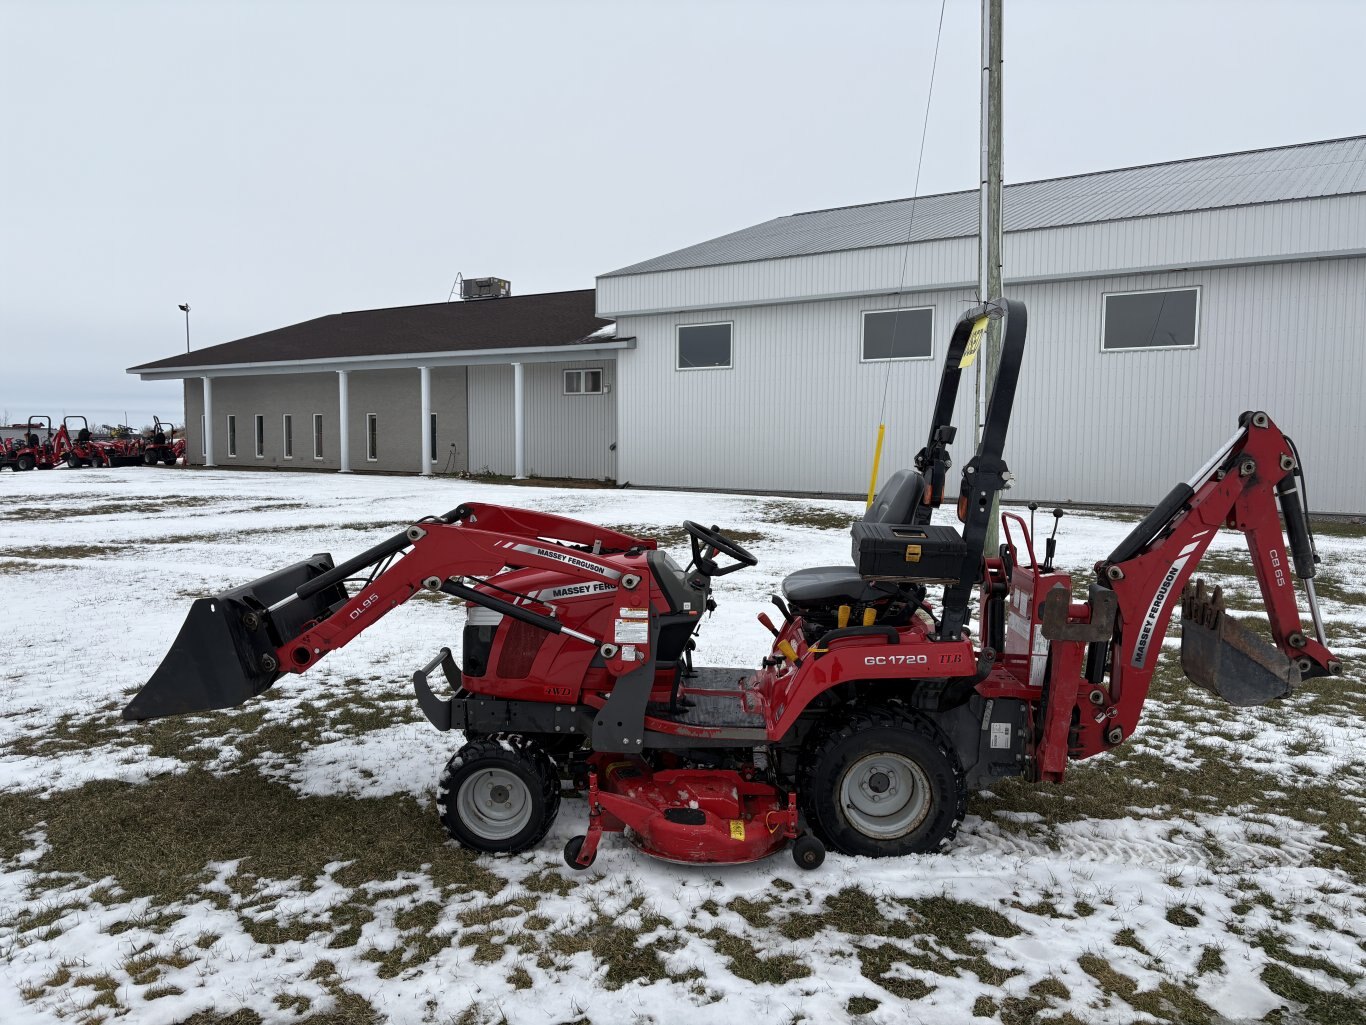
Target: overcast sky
[(273, 162)]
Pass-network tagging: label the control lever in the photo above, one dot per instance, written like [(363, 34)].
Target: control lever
[(1051, 545)]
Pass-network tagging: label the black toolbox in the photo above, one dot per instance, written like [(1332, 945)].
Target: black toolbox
[(891, 551)]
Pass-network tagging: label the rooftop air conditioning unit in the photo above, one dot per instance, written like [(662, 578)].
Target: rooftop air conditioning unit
[(485, 288)]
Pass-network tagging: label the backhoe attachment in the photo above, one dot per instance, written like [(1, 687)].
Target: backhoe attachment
[(1225, 657)]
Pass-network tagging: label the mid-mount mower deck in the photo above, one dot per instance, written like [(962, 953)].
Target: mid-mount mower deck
[(873, 713)]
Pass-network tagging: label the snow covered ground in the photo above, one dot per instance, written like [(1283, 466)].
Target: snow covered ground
[(281, 862)]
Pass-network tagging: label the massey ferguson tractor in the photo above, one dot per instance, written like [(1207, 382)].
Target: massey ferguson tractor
[(80, 448), (161, 445), (874, 712), (35, 450)]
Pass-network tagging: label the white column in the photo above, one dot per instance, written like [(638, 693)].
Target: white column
[(208, 424), (427, 454), (344, 419), (518, 421)]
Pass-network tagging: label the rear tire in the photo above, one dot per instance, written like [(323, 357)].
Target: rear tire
[(499, 795), (883, 783)]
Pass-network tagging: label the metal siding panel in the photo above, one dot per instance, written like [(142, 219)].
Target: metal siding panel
[(1311, 228), (490, 406), (798, 411), (570, 435)]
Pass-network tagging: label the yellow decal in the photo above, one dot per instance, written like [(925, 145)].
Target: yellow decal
[(979, 330), (737, 829)]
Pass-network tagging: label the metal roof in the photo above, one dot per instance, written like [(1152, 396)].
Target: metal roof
[(540, 319), (1310, 170)]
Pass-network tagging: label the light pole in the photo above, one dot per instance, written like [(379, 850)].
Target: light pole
[(186, 308)]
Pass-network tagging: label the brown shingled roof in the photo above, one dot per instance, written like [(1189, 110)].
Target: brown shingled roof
[(549, 318)]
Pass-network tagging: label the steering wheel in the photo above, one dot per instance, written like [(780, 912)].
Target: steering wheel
[(715, 541)]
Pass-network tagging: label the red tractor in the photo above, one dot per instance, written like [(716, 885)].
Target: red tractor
[(124, 447), (161, 445), (873, 714), (80, 449), (36, 448)]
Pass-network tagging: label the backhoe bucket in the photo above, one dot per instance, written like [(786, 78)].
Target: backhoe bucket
[(225, 651), (1225, 657)]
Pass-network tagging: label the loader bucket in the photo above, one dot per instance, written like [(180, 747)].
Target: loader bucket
[(1225, 657), (225, 651)]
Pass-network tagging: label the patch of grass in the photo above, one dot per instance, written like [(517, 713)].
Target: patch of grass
[(1128, 938), (952, 921), (862, 1005), (622, 950), (1167, 1001), (756, 913), (156, 838), (886, 965), (1211, 960), (1179, 914), (1275, 947), (798, 514), (746, 962), (69, 552), (146, 967), (1312, 1003)]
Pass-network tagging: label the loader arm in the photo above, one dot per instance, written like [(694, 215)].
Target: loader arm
[(1094, 702), (237, 644)]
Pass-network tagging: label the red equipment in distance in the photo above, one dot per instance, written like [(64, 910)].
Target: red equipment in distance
[(80, 449), (577, 654), (161, 445), (34, 450)]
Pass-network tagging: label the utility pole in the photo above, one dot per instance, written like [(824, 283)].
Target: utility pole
[(989, 226), (186, 308)]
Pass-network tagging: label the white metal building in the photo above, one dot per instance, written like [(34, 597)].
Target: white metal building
[(1163, 301)]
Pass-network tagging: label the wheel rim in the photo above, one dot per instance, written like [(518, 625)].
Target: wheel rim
[(495, 804), (885, 795)]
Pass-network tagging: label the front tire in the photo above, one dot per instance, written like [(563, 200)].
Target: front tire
[(883, 783), (499, 795)]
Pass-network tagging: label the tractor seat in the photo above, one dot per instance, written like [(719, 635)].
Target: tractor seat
[(823, 586)]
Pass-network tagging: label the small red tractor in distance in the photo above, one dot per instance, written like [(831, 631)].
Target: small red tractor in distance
[(161, 445), (35, 448), (873, 714), (79, 449), (125, 447)]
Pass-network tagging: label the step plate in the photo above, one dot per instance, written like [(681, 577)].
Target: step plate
[(713, 697)]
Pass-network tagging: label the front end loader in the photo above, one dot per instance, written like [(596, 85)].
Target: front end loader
[(874, 712)]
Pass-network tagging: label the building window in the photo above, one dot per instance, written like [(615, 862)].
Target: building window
[(431, 431), (317, 435), (583, 382), (203, 436), (287, 436), (898, 334), (232, 436), (704, 346), (1157, 319), (371, 437), (260, 428)]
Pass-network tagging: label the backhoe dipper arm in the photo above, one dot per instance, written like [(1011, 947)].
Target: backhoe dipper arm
[(1148, 572)]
